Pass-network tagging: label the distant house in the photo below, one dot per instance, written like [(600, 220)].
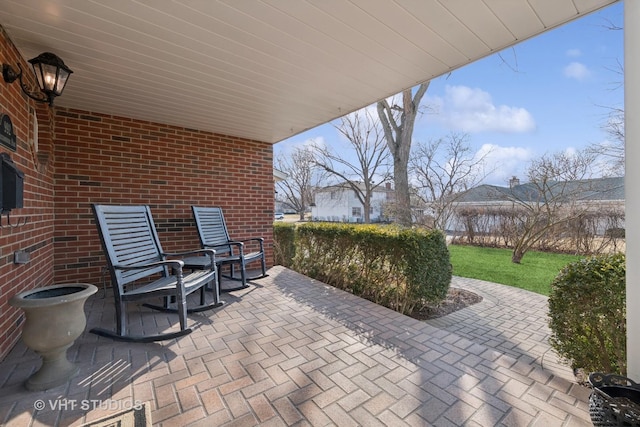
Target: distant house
[(600, 195), (339, 203), (278, 176)]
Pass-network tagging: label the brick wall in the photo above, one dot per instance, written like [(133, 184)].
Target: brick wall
[(36, 236), (115, 160), (83, 158)]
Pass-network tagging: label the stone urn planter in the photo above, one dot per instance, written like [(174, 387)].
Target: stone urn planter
[(54, 320)]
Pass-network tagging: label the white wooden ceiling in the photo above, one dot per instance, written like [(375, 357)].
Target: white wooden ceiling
[(265, 69)]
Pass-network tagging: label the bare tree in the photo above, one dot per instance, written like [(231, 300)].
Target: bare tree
[(370, 169), (551, 199), (397, 122), (612, 152), (443, 170), (615, 129), (303, 177)]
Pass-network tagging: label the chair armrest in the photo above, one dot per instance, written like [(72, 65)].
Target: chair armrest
[(239, 244), (230, 244), (176, 263), (259, 240), (222, 245), (253, 239), (209, 252)]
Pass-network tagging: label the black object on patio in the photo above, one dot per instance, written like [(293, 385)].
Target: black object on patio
[(614, 401)]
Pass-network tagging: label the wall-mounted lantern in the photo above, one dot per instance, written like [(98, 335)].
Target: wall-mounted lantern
[(51, 73)]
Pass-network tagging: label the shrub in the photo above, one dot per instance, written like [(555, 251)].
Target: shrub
[(284, 243), (588, 314), (391, 266), (615, 233)]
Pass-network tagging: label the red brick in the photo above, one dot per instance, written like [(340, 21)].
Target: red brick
[(85, 157)]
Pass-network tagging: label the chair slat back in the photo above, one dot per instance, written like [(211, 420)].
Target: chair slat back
[(128, 235), (212, 228)]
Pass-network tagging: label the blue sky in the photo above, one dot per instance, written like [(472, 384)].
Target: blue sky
[(547, 94)]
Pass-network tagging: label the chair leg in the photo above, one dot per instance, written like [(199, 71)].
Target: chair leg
[(121, 320), (232, 276), (243, 273), (216, 289), (120, 334), (263, 266), (182, 312)]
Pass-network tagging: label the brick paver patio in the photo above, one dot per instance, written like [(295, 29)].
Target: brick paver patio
[(292, 351)]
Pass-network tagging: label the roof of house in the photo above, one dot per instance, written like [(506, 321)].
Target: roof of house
[(598, 189), (278, 175), (346, 186)]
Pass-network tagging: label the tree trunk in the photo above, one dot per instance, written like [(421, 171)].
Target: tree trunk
[(470, 230), (400, 146), (516, 256), (401, 181), (366, 206)]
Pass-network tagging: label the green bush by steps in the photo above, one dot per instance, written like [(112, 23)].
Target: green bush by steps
[(400, 268), (587, 311)]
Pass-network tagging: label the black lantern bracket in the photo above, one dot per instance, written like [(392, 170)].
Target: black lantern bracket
[(18, 224), (51, 72)]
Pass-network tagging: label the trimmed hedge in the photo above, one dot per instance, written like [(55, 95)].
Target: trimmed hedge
[(587, 311), (284, 247), (396, 267)]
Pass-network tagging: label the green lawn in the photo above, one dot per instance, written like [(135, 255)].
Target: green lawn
[(535, 273)]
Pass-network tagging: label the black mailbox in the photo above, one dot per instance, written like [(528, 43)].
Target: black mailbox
[(12, 184)]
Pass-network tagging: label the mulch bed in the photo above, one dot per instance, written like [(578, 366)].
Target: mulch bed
[(456, 299)]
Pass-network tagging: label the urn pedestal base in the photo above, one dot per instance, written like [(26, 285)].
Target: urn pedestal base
[(56, 370)]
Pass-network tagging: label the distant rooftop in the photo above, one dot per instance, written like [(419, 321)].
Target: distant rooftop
[(598, 189)]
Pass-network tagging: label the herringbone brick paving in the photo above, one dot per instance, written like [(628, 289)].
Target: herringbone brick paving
[(292, 351)]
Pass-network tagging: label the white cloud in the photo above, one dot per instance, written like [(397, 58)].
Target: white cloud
[(287, 147), (473, 110), (574, 53), (577, 70), (503, 163), (317, 141)]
